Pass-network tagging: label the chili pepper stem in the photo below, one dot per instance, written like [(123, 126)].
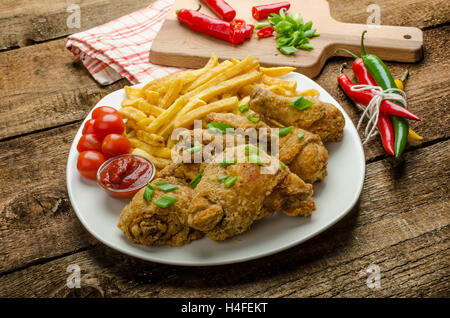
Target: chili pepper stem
[(348, 52), (405, 76), (341, 69), (363, 49)]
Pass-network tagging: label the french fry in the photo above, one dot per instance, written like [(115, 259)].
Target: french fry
[(168, 114), (151, 96), (149, 138), (276, 71), (290, 85), (172, 93), (131, 134), (160, 163), (308, 92), (228, 85), (228, 104), (162, 152), (133, 92), (143, 123), (132, 113), (245, 100), (222, 67), (143, 106), (191, 105), (131, 125)]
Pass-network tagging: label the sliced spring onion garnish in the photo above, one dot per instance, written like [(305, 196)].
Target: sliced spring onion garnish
[(149, 191), (282, 165), (300, 135), (196, 180), (216, 127), (260, 25), (165, 201), (197, 147), (249, 149), (255, 159), (253, 119), (220, 179), (301, 103), (165, 186), (228, 161), (243, 108), (284, 131), (230, 181)]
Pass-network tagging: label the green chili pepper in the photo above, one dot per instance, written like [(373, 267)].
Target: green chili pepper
[(383, 77)]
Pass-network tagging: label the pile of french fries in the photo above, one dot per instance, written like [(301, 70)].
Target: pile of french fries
[(155, 110)]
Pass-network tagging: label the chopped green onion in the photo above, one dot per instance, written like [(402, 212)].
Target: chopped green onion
[(196, 180), (288, 50), (253, 119), (300, 135), (220, 179), (282, 165), (260, 25), (165, 186), (251, 150), (165, 201), (149, 192), (228, 161), (284, 131), (301, 103), (197, 147), (307, 26), (255, 159), (243, 108), (306, 46), (283, 27), (230, 181), (216, 127)]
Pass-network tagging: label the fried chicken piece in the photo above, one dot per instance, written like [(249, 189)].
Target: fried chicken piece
[(321, 118), (307, 156), (145, 223), (292, 196), (222, 212)]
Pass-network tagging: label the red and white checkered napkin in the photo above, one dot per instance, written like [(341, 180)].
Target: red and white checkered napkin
[(120, 48)]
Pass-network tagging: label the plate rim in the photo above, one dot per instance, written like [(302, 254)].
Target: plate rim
[(162, 260)]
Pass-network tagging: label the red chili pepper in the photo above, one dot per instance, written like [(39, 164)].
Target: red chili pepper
[(386, 132), (249, 31), (222, 9), (384, 123), (232, 32), (265, 32), (364, 98), (263, 11)]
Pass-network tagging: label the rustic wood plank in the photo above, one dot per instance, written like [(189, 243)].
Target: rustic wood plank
[(66, 92), (418, 13), (34, 96), (25, 22), (400, 224), (36, 218)]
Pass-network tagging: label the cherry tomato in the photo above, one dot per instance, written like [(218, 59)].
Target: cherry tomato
[(106, 124), (89, 142), (88, 163), (88, 127), (103, 110), (115, 144)]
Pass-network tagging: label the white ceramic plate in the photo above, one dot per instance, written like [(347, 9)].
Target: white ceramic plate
[(334, 197)]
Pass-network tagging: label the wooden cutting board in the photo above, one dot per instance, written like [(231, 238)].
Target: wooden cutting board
[(176, 45)]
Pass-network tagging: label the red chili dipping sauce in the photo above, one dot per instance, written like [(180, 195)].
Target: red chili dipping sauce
[(124, 175)]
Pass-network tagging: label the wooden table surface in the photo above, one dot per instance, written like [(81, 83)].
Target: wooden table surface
[(401, 222)]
